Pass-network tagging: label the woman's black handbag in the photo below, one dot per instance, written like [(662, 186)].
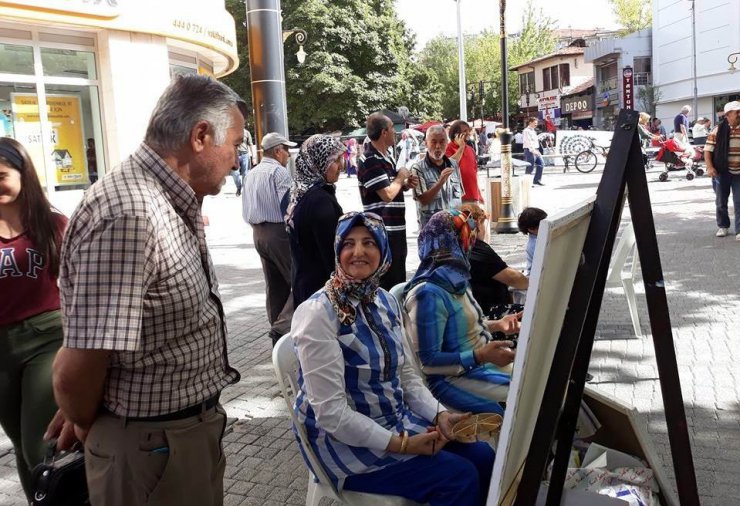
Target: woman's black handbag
[(60, 479)]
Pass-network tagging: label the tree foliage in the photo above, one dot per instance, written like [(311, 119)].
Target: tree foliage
[(632, 15), (483, 63), (359, 61)]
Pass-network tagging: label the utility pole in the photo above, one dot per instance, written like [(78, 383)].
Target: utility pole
[(693, 42), (462, 88)]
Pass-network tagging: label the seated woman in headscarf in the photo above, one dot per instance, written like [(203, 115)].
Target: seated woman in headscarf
[(453, 341), (372, 423), (313, 212)]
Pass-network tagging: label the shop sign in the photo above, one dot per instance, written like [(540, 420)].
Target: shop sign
[(628, 88), (576, 104), (98, 8), (552, 102), (66, 142), (605, 99)]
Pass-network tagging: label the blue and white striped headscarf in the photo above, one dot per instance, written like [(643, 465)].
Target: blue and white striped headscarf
[(341, 288)]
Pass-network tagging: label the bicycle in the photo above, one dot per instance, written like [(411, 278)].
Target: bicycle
[(587, 159)]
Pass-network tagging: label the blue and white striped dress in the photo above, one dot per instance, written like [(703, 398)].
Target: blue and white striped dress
[(356, 388)]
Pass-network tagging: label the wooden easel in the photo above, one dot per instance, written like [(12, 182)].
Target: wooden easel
[(557, 420)]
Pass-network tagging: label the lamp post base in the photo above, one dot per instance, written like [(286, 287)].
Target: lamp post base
[(507, 222)]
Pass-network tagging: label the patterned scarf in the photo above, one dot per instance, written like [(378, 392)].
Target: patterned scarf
[(342, 289), (444, 246), (315, 156)]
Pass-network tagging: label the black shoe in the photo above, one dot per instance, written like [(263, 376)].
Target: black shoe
[(238, 192), (538, 183)]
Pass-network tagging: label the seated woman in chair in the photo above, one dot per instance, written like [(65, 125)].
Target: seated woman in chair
[(490, 277), (368, 416), (453, 341)]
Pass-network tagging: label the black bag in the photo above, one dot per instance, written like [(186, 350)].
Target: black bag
[(60, 479)]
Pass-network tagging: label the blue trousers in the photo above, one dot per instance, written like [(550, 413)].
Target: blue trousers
[(723, 184), (535, 162), (459, 475)]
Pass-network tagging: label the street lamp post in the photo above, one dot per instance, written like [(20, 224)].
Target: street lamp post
[(461, 66), (506, 223), (267, 68)]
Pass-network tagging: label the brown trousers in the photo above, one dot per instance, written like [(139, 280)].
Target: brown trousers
[(156, 463)]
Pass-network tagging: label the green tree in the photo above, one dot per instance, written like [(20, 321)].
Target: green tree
[(240, 80), (483, 63), (359, 61), (632, 15)]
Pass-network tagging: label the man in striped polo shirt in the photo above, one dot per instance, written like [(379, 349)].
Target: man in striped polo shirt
[(722, 155), (381, 190), (264, 202)]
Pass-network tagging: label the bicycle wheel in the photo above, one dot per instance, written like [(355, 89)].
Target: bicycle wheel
[(586, 161)]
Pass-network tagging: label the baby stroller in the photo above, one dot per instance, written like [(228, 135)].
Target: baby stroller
[(672, 154)]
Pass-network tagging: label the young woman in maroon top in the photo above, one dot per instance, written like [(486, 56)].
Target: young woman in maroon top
[(464, 155), (30, 321)]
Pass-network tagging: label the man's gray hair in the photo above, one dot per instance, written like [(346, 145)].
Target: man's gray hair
[(686, 109), (435, 129), (186, 101)]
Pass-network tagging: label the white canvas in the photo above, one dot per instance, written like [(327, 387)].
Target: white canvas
[(557, 254)]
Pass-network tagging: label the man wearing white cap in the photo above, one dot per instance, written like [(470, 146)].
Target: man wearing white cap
[(265, 198), (722, 155)]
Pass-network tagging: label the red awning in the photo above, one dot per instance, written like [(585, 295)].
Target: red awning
[(425, 126)]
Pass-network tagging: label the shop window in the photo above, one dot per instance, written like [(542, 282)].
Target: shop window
[(76, 155), (546, 79), (15, 59), (68, 63)]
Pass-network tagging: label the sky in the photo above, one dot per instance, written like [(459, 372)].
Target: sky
[(429, 18)]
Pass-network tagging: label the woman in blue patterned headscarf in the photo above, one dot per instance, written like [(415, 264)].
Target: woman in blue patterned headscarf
[(453, 341), (366, 412)]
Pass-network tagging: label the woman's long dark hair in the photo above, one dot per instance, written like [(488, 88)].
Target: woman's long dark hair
[(37, 216)]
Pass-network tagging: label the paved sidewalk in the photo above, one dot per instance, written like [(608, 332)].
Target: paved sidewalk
[(702, 281)]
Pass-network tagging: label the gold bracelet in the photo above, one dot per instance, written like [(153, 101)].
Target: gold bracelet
[(404, 441)]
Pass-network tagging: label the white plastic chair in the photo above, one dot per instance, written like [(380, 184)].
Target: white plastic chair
[(626, 249), (285, 362)]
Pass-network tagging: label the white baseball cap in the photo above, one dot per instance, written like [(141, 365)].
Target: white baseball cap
[(732, 106), (273, 139)]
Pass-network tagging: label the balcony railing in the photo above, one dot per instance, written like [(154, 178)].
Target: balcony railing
[(608, 84), (643, 78)]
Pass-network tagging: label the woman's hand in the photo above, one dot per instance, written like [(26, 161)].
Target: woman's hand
[(509, 324), (420, 444), (446, 421), (498, 353), (460, 140)]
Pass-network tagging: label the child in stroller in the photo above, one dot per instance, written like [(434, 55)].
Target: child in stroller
[(676, 157)]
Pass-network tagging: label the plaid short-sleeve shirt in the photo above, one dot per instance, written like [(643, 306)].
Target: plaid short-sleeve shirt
[(136, 278)]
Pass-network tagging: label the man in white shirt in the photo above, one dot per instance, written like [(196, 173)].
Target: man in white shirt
[(264, 202), (532, 151)]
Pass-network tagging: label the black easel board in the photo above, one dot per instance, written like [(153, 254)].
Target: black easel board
[(624, 170)]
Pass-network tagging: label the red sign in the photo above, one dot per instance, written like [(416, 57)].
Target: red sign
[(627, 88)]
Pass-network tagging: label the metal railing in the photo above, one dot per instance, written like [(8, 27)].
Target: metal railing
[(643, 78), (608, 84)]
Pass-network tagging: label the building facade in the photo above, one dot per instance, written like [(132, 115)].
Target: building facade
[(544, 80), (717, 27), (612, 59), (79, 79)]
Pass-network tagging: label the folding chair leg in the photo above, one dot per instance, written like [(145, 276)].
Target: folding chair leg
[(629, 292), (313, 494)]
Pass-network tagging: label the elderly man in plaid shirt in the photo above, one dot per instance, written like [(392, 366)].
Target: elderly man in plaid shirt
[(144, 357)]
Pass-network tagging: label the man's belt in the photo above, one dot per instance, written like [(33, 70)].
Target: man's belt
[(195, 410)]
